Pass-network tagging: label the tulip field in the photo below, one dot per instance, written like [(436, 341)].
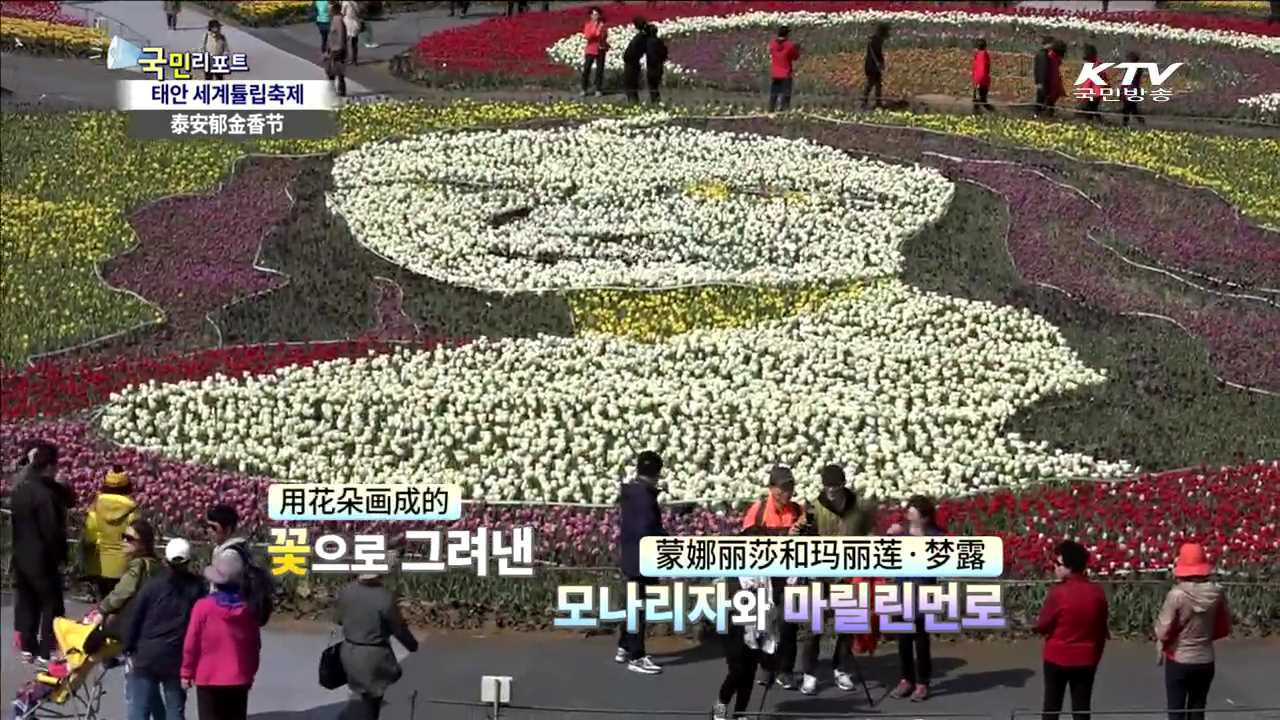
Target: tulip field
[(1060, 330)]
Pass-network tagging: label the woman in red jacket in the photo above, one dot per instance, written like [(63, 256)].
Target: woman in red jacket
[(981, 76), (1056, 55), (597, 36)]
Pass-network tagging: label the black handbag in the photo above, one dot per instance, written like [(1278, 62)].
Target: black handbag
[(332, 674)]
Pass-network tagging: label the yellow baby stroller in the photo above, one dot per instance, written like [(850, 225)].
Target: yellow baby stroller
[(71, 687)]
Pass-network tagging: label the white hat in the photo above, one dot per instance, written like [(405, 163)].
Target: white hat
[(177, 551)]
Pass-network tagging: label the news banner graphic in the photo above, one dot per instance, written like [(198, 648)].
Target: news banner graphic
[(176, 105), (1129, 89), (875, 601), (292, 549)]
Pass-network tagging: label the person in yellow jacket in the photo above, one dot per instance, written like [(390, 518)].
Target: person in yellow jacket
[(105, 559)]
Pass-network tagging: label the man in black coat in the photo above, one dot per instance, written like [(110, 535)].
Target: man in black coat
[(873, 65), (1040, 73), (39, 506), (153, 640), (655, 61), (639, 516), (631, 60)]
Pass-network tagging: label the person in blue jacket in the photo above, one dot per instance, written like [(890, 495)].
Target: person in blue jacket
[(639, 516)]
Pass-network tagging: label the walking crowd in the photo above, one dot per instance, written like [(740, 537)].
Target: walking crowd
[(173, 627), (1073, 619), (648, 47), (178, 629)]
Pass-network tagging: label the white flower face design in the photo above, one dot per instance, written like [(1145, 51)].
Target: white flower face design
[(909, 388), (628, 205)]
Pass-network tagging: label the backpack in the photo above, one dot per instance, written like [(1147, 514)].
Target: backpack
[(256, 586)]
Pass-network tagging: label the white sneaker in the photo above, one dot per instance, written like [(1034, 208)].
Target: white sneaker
[(843, 680), (720, 712), (620, 656), (644, 666), (809, 686), (787, 681)]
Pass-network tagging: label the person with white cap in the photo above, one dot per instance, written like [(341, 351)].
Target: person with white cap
[(369, 617), (153, 640), (223, 645)]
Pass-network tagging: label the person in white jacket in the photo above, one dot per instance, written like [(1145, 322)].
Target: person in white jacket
[(351, 19)]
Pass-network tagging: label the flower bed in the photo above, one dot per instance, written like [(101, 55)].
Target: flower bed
[(196, 254), (51, 292), (82, 168), (56, 38), (270, 13), (1230, 510), (1265, 107), (44, 10), (611, 204), (865, 380), (331, 279), (51, 390), (507, 50)]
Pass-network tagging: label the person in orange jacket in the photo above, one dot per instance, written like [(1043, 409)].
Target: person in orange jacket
[(105, 559), (778, 514), (597, 35), (981, 76)]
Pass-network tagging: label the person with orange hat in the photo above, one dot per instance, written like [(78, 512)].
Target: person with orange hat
[(102, 545), (1193, 616)]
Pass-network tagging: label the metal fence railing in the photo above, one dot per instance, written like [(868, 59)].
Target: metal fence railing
[(469, 710), (465, 710), (1225, 713)]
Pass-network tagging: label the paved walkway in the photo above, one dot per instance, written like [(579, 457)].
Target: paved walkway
[(572, 671), (146, 18)]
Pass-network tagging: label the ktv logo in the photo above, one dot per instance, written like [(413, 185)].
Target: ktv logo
[(1093, 72)]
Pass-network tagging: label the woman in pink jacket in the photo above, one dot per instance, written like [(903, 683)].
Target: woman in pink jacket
[(597, 35), (223, 644)]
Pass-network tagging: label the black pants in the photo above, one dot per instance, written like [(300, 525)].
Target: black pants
[(1056, 681), (914, 657), (980, 99), (587, 62), (813, 646), (742, 662), (633, 642), (784, 660), (654, 80), (355, 49), (459, 5), (779, 94), (631, 81), (874, 81), (1130, 108), (361, 707), (38, 602), (171, 20), (323, 27), (1187, 688), (1092, 109), (222, 702), (1044, 106), (337, 69)]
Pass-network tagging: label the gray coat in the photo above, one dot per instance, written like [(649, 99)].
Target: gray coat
[(369, 619)]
